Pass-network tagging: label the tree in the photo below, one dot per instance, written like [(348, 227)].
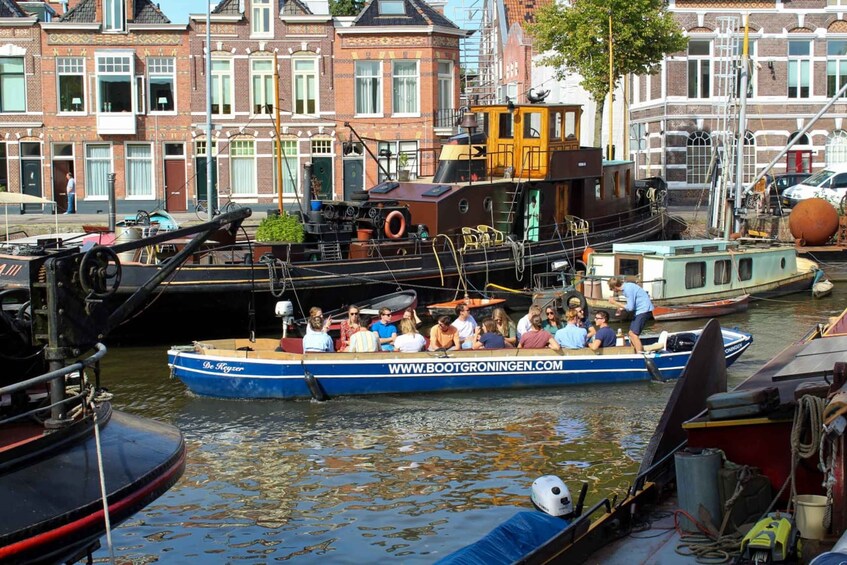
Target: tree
[(575, 39), (345, 7)]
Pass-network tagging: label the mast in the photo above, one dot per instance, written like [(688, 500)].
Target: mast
[(610, 155), (211, 201), (742, 124)]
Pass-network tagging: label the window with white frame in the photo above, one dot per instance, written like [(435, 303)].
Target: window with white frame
[(114, 83), (290, 170), (748, 169), (114, 17), (261, 18), (305, 86), (139, 170), (98, 166), (836, 3), (699, 68), (445, 85), (405, 84), (698, 152), (12, 85), (799, 68), (396, 155), (161, 78), (836, 65), (200, 148), (221, 87), (242, 158), (262, 73), (368, 88), (836, 147), (321, 147), (70, 74)]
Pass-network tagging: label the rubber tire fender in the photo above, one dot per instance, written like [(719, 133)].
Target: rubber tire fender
[(575, 294)]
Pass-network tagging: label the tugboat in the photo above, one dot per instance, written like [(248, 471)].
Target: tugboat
[(71, 467)]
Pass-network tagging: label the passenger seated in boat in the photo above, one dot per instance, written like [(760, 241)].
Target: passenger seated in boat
[(572, 336), (604, 336), (443, 335), (638, 302), (465, 325), (386, 331), (410, 314), (552, 323), (317, 341), (350, 326), (490, 337), (409, 340), (505, 326), (363, 341), (317, 312), (537, 337), (524, 324)]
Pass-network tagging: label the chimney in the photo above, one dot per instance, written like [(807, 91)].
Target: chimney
[(437, 5)]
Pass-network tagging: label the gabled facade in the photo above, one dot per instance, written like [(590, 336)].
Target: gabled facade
[(397, 75), (249, 39), (798, 51), (115, 82), (21, 114)]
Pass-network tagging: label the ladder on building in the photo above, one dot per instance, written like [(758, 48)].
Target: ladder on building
[(480, 69), (726, 129)]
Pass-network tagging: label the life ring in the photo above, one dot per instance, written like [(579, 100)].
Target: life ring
[(400, 231), (574, 295)]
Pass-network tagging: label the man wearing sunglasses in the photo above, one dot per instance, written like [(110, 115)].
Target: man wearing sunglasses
[(604, 336), (386, 331)]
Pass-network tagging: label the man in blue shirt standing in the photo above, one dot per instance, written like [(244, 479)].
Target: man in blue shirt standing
[(638, 302)]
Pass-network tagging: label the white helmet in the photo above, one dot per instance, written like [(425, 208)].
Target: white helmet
[(551, 496)]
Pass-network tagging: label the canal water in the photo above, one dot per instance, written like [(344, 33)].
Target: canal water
[(402, 479)]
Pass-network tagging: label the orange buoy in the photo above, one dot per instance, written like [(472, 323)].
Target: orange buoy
[(586, 254), (814, 221), (390, 232)]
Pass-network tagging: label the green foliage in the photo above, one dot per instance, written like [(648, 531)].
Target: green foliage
[(345, 7), (574, 37), (284, 228)]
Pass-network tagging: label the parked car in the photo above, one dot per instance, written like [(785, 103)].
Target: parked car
[(780, 183), (829, 183)]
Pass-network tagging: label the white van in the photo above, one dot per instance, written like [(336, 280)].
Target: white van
[(829, 183)]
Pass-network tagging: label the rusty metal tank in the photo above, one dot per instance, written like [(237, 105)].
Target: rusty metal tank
[(813, 221)]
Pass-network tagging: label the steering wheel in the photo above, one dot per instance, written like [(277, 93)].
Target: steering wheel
[(100, 272), (350, 212), (329, 212), (373, 213), (142, 218)]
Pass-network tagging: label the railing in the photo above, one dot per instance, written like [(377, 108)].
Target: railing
[(448, 118)]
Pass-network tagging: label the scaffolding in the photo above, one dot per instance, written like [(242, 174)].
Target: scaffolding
[(726, 129), (479, 60)]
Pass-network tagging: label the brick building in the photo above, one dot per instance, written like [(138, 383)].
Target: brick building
[(114, 78), (798, 50)]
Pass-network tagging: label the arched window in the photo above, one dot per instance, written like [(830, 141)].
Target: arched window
[(804, 139), (698, 152), (749, 166), (836, 147)]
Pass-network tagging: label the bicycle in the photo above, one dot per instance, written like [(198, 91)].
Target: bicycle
[(229, 205)]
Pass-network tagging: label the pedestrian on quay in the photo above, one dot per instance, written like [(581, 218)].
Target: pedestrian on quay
[(70, 189)]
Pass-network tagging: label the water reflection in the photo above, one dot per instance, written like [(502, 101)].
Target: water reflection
[(365, 479)]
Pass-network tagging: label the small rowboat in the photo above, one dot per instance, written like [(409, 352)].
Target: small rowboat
[(480, 307), (703, 309), (397, 302), (822, 288)]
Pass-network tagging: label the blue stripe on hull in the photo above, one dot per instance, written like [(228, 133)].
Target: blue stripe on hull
[(265, 378)]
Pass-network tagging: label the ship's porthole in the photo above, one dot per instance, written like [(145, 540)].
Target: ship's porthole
[(463, 206), (487, 203), (782, 263)]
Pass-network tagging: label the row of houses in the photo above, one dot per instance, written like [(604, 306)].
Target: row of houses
[(112, 86)]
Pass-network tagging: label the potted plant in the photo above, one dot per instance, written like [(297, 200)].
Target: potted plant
[(403, 173), (283, 228)]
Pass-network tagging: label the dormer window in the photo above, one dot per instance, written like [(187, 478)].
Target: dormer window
[(392, 7), (261, 18), (114, 17)]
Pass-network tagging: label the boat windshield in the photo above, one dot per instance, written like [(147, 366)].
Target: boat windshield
[(818, 178)]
